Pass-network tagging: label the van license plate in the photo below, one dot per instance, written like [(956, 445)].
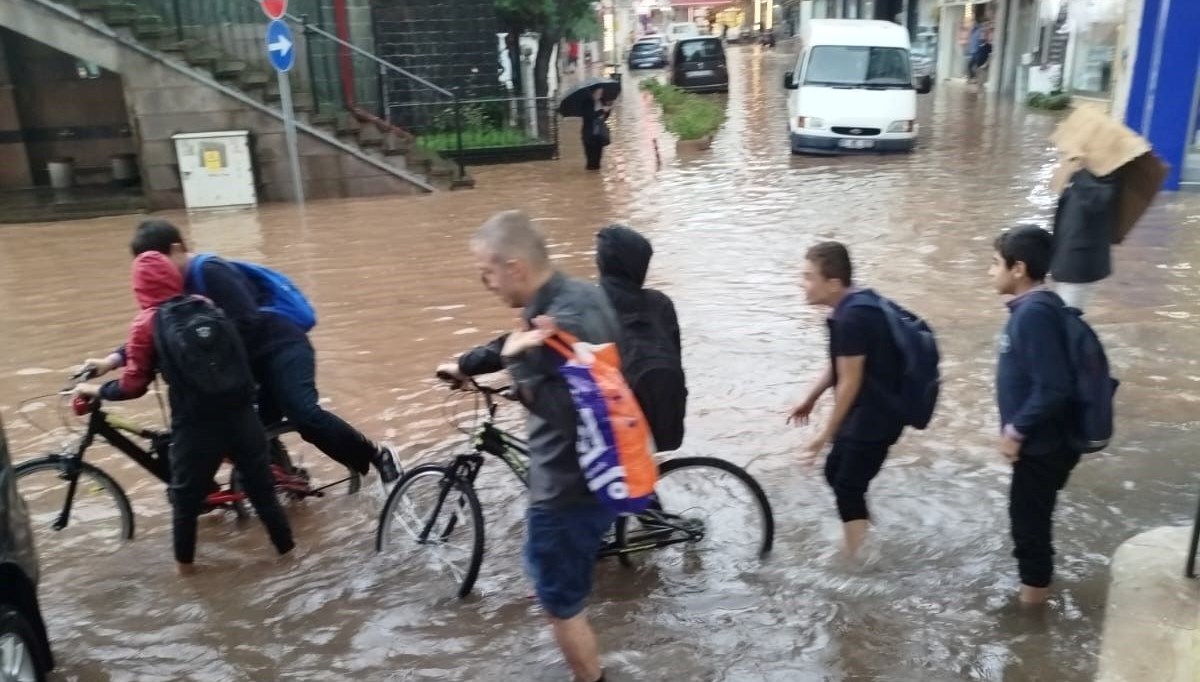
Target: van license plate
[(856, 144), (699, 74)]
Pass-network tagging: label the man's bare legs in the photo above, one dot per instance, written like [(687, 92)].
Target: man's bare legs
[(856, 534), (578, 643)]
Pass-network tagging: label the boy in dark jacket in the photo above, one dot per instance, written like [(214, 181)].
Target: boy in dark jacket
[(650, 343), (201, 434), (1033, 391)]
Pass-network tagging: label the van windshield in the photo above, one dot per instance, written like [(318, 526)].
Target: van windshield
[(858, 67), (708, 49)]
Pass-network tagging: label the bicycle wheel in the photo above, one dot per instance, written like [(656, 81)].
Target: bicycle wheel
[(291, 452), (101, 517), (719, 507), (432, 522)]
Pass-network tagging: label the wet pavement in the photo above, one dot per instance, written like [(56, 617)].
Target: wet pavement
[(397, 293)]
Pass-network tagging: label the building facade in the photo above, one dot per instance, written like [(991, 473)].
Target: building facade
[(1164, 90)]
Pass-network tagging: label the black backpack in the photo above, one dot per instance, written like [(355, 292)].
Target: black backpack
[(654, 372), (200, 352)]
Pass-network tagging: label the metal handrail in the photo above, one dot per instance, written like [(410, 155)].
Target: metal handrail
[(375, 58)]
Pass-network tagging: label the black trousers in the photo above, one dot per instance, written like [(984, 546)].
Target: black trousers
[(198, 445), (288, 388), (849, 469), (1035, 485), (594, 151)]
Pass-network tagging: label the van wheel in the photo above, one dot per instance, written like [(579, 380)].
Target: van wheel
[(19, 659)]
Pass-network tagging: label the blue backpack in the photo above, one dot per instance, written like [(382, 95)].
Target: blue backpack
[(918, 347), (1094, 386), (285, 298)]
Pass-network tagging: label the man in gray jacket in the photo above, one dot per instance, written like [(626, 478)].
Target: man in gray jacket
[(565, 523)]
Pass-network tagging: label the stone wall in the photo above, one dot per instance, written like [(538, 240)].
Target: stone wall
[(164, 99)]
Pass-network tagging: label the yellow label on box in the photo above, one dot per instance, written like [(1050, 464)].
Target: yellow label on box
[(212, 161)]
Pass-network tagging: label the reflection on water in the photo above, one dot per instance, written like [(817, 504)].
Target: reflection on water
[(397, 294)]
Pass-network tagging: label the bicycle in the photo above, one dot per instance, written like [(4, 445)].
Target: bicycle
[(41, 480), (451, 505)]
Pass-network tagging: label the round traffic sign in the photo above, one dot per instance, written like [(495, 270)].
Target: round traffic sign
[(274, 8), (280, 44)]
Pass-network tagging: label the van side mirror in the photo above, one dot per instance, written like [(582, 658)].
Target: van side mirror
[(789, 81), (925, 85)]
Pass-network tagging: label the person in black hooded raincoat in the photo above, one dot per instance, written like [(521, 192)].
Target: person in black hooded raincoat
[(1083, 231), (651, 350)]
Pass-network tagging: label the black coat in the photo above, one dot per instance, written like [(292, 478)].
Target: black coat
[(1083, 229)]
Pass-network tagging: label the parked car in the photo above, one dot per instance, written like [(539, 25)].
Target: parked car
[(24, 647), (647, 55), (698, 64), (852, 88)]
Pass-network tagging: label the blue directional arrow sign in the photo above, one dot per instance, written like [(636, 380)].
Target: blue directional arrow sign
[(281, 47)]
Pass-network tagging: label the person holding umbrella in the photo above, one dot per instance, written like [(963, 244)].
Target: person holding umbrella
[(592, 101)]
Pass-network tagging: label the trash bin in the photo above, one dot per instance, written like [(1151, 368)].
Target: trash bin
[(62, 172), (124, 169)]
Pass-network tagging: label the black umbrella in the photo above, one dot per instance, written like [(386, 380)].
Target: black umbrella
[(580, 97)]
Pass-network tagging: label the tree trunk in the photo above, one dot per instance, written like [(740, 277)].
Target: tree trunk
[(541, 67)]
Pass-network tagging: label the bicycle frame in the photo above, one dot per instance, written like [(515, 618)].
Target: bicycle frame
[(110, 428)]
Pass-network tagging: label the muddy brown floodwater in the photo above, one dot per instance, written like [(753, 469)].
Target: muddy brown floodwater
[(397, 294)]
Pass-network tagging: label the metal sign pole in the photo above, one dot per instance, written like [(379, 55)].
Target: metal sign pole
[(289, 134)]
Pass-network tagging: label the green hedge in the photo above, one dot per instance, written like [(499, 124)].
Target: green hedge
[(687, 116), (1054, 101)]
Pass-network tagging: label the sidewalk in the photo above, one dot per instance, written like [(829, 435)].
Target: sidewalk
[(1152, 620)]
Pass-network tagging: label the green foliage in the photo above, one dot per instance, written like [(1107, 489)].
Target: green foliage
[(687, 116), (474, 138), (1054, 101)]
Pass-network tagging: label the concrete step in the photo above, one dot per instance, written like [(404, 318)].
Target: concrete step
[(120, 13), (149, 27), (370, 137), (203, 57), (229, 70)]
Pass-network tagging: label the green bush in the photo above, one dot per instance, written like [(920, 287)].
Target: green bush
[(1054, 101), (474, 138), (687, 116)]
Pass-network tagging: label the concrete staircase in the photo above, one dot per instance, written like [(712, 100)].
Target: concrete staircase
[(377, 158)]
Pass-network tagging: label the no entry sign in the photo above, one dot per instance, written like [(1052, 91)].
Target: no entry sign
[(274, 8)]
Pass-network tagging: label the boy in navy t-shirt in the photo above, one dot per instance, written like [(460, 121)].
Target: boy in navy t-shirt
[(1033, 392), (864, 364)]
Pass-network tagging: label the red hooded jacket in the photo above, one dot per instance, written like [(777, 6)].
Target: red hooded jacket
[(156, 280)]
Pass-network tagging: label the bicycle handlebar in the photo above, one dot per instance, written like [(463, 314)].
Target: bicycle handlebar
[(466, 383)]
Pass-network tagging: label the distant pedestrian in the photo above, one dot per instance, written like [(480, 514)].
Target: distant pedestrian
[(865, 366), (596, 135), (1034, 392), (981, 56), (1083, 232), (572, 56)]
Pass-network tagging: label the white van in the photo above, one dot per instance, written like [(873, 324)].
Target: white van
[(681, 30), (852, 88)]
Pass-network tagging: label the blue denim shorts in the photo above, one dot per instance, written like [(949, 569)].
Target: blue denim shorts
[(560, 554)]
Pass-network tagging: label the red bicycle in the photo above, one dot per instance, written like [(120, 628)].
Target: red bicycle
[(61, 486)]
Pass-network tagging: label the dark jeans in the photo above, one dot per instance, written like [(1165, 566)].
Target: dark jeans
[(594, 151), (1035, 485), (197, 447), (849, 469), (288, 388)]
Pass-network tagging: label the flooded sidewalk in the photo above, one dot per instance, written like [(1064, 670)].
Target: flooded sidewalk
[(397, 293)]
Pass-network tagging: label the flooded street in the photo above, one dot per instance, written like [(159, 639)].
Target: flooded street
[(397, 293)]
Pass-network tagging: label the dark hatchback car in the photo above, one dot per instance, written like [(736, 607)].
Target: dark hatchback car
[(647, 55), (24, 647), (698, 64)]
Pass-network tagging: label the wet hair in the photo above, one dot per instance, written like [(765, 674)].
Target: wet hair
[(510, 235), (1028, 244), (832, 260), (155, 235)]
